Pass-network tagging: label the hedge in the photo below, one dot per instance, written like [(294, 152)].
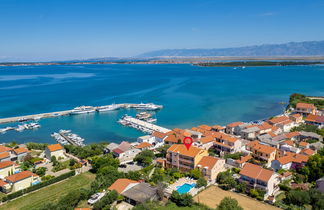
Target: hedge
[(37, 186)]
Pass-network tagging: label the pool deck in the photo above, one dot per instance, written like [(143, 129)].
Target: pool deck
[(182, 181)]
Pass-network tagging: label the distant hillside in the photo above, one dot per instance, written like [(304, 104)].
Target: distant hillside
[(309, 48)]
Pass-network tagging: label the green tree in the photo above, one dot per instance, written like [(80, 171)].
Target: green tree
[(195, 173), (72, 162), (201, 182), (297, 197), (105, 160), (145, 157), (229, 203), (181, 199)]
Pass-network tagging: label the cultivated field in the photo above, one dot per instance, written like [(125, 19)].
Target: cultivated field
[(50, 193), (213, 196)]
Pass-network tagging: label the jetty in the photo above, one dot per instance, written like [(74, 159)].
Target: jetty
[(142, 125), (84, 110)]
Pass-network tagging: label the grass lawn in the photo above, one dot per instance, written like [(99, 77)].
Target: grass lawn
[(213, 195), (50, 193)]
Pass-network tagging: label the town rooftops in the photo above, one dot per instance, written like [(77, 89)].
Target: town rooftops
[(234, 124), (205, 127), (256, 172), (5, 164), (303, 144), (315, 118), (243, 159), (289, 142), (181, 149), (20, 176), (261, 147), (207, 162), (54, 147), (4, 155), (308, 152), (278, 120), (159, 135), (265, 126), (143, 145), (218, 127), (140, 192), (292, 134), (121, 184), (207, 139), (292, 157), (224, 137), (5, 149), (251, 129), (305, 106), (21, 150)]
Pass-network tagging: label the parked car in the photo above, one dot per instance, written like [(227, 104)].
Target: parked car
[(123, 166), (96, 197)]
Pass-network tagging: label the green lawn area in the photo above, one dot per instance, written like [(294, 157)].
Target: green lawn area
[(50, 193)]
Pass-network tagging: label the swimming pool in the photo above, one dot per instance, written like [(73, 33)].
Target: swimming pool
[(185, 188)]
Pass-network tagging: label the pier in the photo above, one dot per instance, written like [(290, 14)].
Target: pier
[(143, 126), (67, 112)]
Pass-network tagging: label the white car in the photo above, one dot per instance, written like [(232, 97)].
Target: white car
[(96, 197)]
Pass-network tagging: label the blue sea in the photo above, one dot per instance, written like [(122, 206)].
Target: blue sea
[(191, 95)]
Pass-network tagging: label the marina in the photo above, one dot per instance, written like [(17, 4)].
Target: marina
[(82, 110), (141, 125), (67, 137), (19, 128)]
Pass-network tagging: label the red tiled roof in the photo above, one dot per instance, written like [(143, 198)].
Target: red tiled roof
[(4, 155), (277, 120), (159, 135), (207, 162), (143, 145), (292, 134), (20, 176), (234, 124), (244, 159), (54, 147), (218, 127), (2, 183), (289, 142), (205, 127), (181, 149), (121, 184), (21, 150), (256, 172), (118, 151), (4, 149), (261, 147), (5, 164), (315, 118), (207, 139), (305, 106), (308, 152)]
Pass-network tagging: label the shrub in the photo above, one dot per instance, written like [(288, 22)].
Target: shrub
[(229, 203), (181, 200), (201, 182)]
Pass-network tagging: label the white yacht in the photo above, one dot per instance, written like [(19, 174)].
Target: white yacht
[(83, 110), (108, 108), (149, 106)]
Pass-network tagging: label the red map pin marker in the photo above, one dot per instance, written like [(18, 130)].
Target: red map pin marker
[(187, 141)]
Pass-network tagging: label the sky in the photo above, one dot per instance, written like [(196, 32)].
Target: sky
[(45, 30)]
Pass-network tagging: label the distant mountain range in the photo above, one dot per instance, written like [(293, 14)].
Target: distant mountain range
[(308, 48)]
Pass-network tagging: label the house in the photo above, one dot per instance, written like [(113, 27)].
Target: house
[(265, 127), (292, 135), (289, 161), (205, 142), (6, 168), (218, 128), (54, 150), (140, 193), (257, 177), (232, 128), (305, 108), (211, 166), (21, 153), (315, 120), (5, 149), (144, 146), (5, 156), (262, 152), (125, 152), (19, 181), (303, 145), (158, 136), (110, 147), (178, 156), (250, 132), (226, 144), (242, 161), (297, 118), (121, 185), (307, 152), (303, 136)]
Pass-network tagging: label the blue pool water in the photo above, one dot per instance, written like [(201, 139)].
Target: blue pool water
[(185, 188), (191, 95)]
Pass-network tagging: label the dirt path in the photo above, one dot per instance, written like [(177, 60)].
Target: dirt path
[(213, 196)]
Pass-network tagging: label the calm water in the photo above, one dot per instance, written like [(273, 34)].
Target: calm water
[(191, 95)]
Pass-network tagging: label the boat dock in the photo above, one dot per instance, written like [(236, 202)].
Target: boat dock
[(34, 116), (142, 125), (67, 112)]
